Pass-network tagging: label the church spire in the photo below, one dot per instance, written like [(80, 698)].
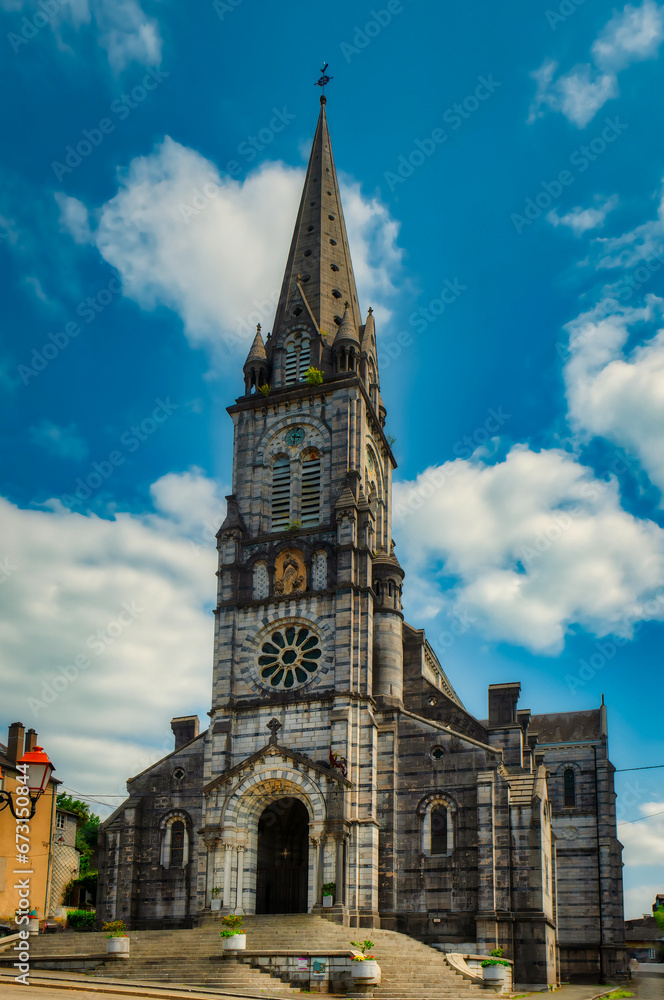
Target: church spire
[(319, 258)]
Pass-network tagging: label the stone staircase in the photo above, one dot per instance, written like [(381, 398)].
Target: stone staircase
[(409, 968)]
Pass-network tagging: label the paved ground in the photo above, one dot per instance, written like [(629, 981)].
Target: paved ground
[(47, 985), (649, 987)]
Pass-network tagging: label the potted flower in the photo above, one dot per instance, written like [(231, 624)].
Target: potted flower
[(365, 968), (233, 934), (117, 939), (314, 376), (215, 902), (495, 968), (329, 889)]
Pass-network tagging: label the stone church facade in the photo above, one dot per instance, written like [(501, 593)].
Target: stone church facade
[(338, 750)]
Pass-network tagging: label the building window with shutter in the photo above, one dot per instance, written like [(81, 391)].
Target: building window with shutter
[(437, 826), (281, 489), (298, 359), (439, 829), (310, 500)]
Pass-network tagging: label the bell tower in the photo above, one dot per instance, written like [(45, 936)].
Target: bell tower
[(308, 617)]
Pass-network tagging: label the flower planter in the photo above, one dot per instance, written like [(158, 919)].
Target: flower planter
[(366, 973), (328, 900), (215, 904), (495, 974), (237, 942), (118, 946)]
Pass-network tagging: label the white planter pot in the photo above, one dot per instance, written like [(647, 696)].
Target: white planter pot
[(118, 946), (495, 973), (238, 942), (367, 972), (328, 900), (215, 904)]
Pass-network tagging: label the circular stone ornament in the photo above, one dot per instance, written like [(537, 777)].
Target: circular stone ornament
[(289, 657)]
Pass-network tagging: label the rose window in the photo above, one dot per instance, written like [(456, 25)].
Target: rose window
[(289, 656)]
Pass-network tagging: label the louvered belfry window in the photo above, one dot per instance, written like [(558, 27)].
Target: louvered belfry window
[(281, 493), (310, 505), (298, 359)]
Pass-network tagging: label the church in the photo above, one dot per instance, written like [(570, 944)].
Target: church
[(339, 761)]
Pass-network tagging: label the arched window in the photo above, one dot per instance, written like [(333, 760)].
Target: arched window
[(261, 588), (177, 844), (319, 571), (310, 506), (175, 841), (437, 826), (298, 358), (569, 787), (281, 493), (439, 829)]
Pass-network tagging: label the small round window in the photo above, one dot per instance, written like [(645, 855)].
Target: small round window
[(289, 657), (437, 753), (178, 774)]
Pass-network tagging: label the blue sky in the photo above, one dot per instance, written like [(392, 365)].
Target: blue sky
[(503, 175)]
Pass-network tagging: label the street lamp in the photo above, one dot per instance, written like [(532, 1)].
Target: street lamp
[(39, 770)]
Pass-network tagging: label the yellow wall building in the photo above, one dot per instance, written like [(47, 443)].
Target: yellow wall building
[(40, 833)]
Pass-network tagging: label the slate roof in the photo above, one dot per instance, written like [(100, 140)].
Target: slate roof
[(644, 929), (566, 727)]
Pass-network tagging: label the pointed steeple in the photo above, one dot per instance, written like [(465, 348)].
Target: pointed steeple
[(319, 258), (347, 332), (257, 351)]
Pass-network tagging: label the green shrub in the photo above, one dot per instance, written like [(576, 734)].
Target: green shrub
[(81, 920)]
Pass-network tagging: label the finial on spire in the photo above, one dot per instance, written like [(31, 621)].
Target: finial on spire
[(370, 310), (322, 81), (258, 328)]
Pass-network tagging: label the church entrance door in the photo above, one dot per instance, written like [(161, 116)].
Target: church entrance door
[(283, 858)]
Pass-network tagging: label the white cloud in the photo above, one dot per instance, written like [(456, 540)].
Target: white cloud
[(639, 898), (121, 27), (72, 580), (74, 217), (644, 840), (634, 246), (615, 393), (214, 250), (63, 442), (632, 35), (127, 34), (578, 94), (580, 220), (535, 544)]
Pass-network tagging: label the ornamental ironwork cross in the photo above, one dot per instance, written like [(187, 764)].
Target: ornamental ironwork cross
[(274, 726), (323, 80)]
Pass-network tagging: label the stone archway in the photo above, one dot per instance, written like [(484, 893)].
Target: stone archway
[(282, 857)]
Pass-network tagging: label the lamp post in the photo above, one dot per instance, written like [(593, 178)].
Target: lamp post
[(37, 769)]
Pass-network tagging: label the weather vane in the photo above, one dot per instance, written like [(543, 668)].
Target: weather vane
[(324, 79)]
